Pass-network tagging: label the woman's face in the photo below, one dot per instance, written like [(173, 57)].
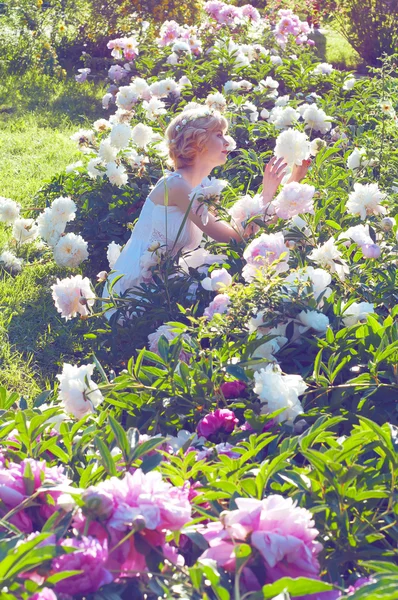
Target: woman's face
[(215, 150)]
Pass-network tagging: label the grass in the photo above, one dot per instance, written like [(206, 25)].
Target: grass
[(35, 145), (334, 48)]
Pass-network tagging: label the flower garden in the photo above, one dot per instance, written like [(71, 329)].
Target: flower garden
[(230, 432)]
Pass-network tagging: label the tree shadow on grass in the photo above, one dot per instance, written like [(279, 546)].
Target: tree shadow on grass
[(54, 102)]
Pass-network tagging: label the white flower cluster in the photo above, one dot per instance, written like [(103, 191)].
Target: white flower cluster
[(52, 221)]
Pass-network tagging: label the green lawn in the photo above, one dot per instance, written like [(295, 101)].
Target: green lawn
[(35, 145)]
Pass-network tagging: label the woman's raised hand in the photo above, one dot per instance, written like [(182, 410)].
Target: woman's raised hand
[(274, 172), (300, 171)]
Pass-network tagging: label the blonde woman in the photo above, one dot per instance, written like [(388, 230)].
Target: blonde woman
[(197, 144)]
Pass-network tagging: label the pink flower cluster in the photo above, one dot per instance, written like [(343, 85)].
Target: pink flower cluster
[(124, 47), (294, 199), (226, 14), (264, 250), (290, 24), (19, 481), (139, 501), (279, 532), (221, 420), (171, 32)]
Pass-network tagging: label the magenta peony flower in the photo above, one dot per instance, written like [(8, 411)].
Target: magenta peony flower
[(44, 594), (90, 557), (15, 487), (233, 389), (221, 420), (282, 533)]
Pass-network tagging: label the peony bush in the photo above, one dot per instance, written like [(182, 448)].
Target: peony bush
[(232, 432)]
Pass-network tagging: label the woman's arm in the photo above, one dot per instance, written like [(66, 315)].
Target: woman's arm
[(217, 229)]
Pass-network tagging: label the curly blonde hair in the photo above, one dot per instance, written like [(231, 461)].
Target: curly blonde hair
[(188, 132)]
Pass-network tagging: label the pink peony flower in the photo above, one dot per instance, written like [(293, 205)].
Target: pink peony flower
[(217, 306), (16, 486), (282, 533), (44, 594), (221, 420), (140, 502), (294, 199), (169, 334), (73, 296), (266, 249), (233, 389), (90, 558)]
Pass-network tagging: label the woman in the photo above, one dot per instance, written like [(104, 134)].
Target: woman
[(197, 144)]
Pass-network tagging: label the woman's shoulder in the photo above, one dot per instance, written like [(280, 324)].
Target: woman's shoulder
[(173, 183)]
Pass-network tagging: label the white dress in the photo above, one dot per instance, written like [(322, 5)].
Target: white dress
[(156, 223)]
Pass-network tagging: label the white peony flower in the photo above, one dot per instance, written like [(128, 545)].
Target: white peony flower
[(231, 143), (323, 69), (172, 59), (140, 87), (113, 253), (276, 60), (294, 199), (357, 159), (180, 46), (200, 259), (79, 395), (24, 230), (84, 138), (70, 251), (246, 208), (116, 174), (50, 228), (356, 312), (9, 210), (314, 281), (218, 306), (11, 262), (264, 114), (349, 83), (106, 152), (283, 117), (164, 87), (73, 167), (358, 234), (101, 125), (219, 279), (210, 188), (293, 146), (251, 111), (216, 102), (313, 319), (328, 255), (136, 160), (316, 119), (278, 391), (316, 146), (120, 136), (282, 100), (126, 97), (142, 135), (268, 83), (268, 349), (154, 108), (68, 293), (106, 100), (92, 170), (64, 209), (231, 86), (365, 200)]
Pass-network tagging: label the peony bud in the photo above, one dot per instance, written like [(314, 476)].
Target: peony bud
[(233, 389), (387, 224), (101, 276), (371, 250), (97, 504)]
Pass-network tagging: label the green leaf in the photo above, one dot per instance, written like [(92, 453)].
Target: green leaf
[(106, 456), (121, 437), (295, 587)]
